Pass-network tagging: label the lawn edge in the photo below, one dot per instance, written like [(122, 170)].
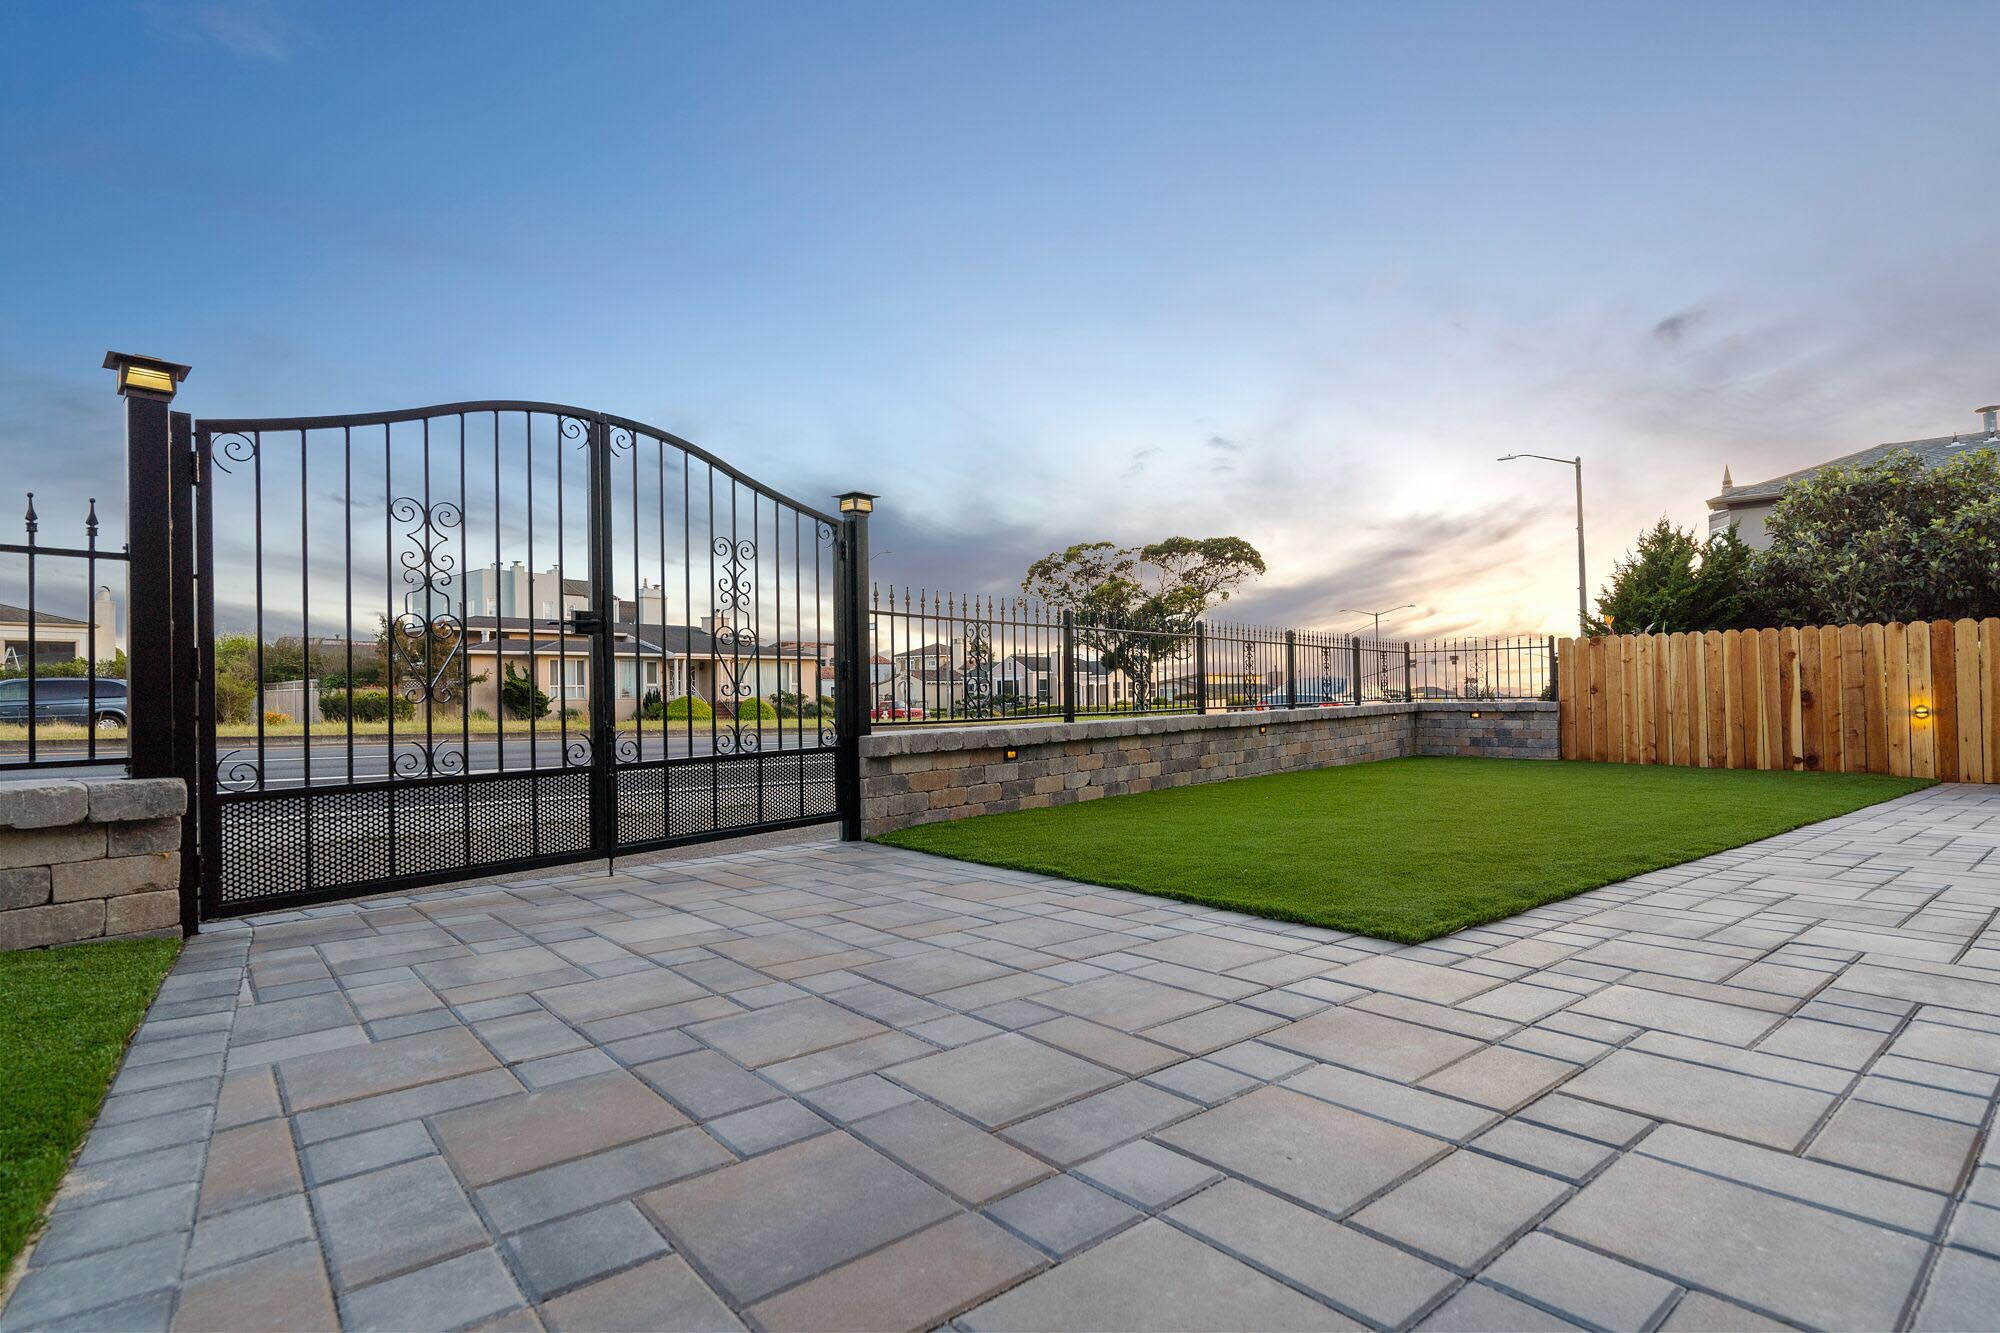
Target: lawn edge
[(1404, 938), (17, 1266)]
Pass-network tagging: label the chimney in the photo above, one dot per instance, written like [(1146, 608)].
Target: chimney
[(1992, 415)]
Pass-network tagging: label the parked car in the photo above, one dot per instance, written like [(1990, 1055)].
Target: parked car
[(65, 699)]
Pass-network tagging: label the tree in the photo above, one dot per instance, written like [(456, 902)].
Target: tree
[(1130, 602), (520, 696), (1672, 582), (1893, 540)]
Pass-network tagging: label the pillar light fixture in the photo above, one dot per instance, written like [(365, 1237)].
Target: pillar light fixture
[(856, 502), (145, 376)]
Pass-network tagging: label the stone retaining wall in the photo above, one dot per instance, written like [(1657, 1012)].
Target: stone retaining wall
[(919, 775), (90, 859)]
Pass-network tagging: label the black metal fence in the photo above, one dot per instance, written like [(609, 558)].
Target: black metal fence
[(62, 685), (944, 658)]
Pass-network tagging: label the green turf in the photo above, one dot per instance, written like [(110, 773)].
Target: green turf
[(65, 1016), (1407, 849)]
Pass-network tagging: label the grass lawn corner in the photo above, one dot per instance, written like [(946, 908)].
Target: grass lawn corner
[(65, 1016), (1405, 849)]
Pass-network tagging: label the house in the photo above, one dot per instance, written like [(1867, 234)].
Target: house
[(58, 638), (1748, 507)]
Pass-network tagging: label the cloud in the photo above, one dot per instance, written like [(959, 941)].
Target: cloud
[(1139, 460), (1678, 325), (1224, 453), (265, 30)]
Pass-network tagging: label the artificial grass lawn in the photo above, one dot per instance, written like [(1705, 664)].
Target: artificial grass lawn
[(65, 1016), (1405, 849)]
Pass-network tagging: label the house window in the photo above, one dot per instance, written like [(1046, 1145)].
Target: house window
[(652, 675)]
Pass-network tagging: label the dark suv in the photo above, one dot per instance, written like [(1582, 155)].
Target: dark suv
[(65, 699)]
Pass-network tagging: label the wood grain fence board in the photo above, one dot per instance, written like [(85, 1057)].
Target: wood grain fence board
[(1639, 653), (1589, 739), (1739, 690), (1635, 698), (1989, 694), (1771, 753), (1788, 696), (1944, 698), (1971, 730), (1809, 698), (1853, 702), (1896, 696), (1831, 758), (1658, 733), (1616, 693), (1565, 665), (1923, 731), (1680, 683), (1715, 695), (1875, 709)]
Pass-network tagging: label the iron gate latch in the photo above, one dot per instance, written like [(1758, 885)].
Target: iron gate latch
[(586, 622)]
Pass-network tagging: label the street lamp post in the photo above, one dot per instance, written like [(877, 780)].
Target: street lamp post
[(1387, 610), (1582, 580)]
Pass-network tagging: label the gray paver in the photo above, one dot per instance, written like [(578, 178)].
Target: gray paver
[(1789, 1129), (755, 1234), (1464, 1210), (1322, 1155), (1153, 1277), (556, 1256), (1063, 1214), (1001, 1079), (396, 1218), (1368, 1279)]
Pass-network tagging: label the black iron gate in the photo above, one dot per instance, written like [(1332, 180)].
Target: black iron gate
[(499, 635)]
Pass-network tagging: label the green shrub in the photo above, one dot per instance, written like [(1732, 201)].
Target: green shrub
[(521, 697), (233, 700), (369, 705), (755, 710), (682, 708)]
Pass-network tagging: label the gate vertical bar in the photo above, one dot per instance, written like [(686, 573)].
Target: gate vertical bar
[(1408, 697), (1200, 667), (202, 796), (852, 654), (189, 710), (1354, 666), (1069, 664), (1291, 669), (603, 686)]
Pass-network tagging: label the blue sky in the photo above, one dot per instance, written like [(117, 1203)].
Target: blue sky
[(1039, 274)]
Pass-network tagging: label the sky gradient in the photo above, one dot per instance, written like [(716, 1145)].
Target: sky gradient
[(1041, 273)]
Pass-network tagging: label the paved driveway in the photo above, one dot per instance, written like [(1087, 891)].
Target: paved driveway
[(846, 1086)]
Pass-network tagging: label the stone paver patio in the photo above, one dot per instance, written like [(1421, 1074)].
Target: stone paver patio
[(839, 1086)]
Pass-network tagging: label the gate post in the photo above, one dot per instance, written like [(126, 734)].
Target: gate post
[(1291, 669), (853, 655), (159, 590), (1354, 665)]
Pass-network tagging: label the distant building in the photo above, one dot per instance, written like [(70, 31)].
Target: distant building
[(58, 638), (1748, 507)]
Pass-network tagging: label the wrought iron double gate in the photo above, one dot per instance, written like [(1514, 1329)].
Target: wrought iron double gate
[(492, 636)]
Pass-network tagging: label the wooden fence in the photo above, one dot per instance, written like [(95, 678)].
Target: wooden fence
[(1921, 699)]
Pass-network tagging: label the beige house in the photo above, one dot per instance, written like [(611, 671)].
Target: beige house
[(58, 638), (1748, 507)]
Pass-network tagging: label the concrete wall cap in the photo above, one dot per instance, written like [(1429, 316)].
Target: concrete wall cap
[(119, 800), (29, 803)]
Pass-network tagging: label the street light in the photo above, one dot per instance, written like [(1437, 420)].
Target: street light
[(1390, 610), (1582, 582)]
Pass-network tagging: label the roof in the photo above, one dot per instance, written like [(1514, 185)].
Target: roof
[(1933, 452), (19, 615)]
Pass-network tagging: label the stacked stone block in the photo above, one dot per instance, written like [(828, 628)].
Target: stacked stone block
[(89, 860), (921, 775)]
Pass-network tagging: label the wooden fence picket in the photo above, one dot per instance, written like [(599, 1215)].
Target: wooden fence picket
[(1920, 699)]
